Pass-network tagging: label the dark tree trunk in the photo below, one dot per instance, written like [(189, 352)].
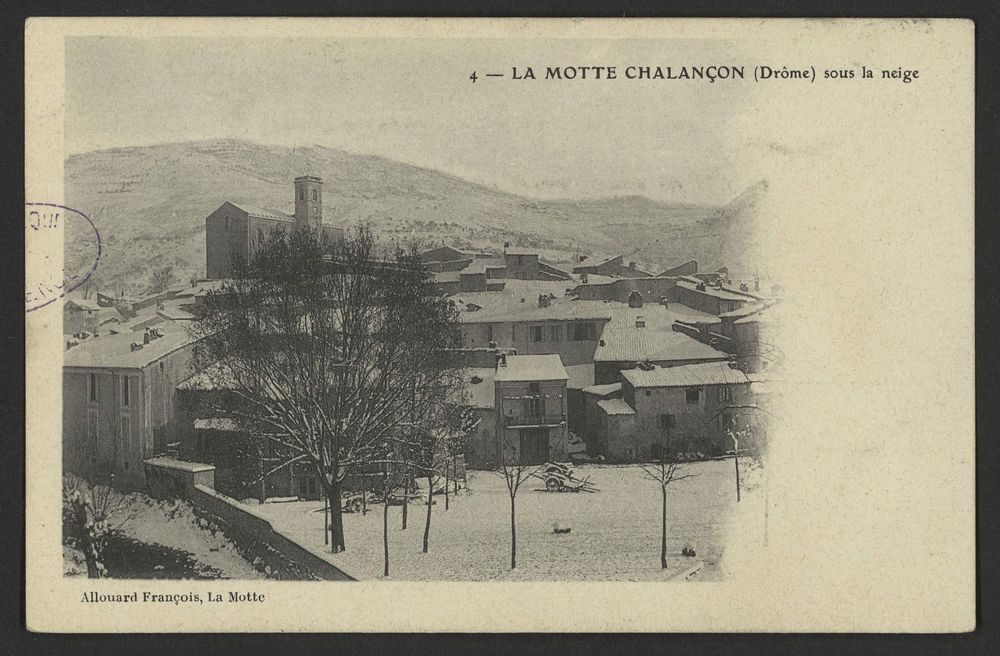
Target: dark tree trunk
[(736, 459), (364, 492), (406, 498), (262, 494), (88, 543), (430, 500), (385, 532), (663, 534), (447, 483), (336, 519), (513, 536), (326, 518)]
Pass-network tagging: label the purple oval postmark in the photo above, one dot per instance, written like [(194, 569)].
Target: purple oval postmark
[(50, 229)]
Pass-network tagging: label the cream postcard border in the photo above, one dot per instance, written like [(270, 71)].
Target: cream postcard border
[(871, 233)]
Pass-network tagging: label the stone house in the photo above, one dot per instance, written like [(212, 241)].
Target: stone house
[(659, 405), (530, 408), (715, 300), (539, 326), (119, 401)]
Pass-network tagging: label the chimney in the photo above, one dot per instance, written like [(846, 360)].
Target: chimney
[(631, 266), (543, 301), (145, 337), (503, 360), (136, 347), (635, 299), (309, 201), (583, 278), (640, 322)]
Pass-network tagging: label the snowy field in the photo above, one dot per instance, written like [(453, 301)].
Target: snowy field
[(615, 532)]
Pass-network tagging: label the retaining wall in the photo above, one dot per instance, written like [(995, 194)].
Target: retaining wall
[(246, 526)]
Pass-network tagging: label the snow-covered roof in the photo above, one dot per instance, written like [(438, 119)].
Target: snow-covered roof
[(688, 375), (603, 390), (116, 350), (531, 368), (218, 424), (580, 375), (638, 344), (615, 407), (480, 391)]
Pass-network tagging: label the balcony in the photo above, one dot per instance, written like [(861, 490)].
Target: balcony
[(534, 421)]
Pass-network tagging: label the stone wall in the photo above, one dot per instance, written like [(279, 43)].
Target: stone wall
[(255, 534)]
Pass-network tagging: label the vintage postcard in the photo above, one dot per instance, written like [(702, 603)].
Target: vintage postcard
[(499, 325)]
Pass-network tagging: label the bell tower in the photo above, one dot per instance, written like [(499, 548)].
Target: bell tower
[(309, 201)]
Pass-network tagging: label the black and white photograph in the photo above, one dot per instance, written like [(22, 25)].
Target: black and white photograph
[(507, 302), (437, 340)]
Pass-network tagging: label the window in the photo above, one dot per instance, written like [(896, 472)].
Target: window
[(316, 194), (92, 388), (536, 333), (694, 395), (555, 333), (307, 486), (533, 407), (126, 391), (161, 366), (582, 331), (302, 194), (648, 393), (725, 393), (513, 334), (489, 333), (227, 224), (666, 422)]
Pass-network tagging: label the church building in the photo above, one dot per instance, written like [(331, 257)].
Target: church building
[(232, 231)]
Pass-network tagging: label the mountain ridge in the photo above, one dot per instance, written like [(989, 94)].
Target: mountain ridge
[(150, 202)]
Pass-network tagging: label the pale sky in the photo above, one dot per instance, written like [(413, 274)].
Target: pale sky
[(412, 100)]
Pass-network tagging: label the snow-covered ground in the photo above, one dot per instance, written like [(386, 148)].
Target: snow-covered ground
[(166, 539), (615, 532)]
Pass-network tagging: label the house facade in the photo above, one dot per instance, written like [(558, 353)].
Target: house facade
[(530, 408), (660, 406), (119, 402), (540, 326)]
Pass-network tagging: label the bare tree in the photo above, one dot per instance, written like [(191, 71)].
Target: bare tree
[(668, 469), (514, 473), (91, 513), (395, 472), (323, 342), (162, 278)]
